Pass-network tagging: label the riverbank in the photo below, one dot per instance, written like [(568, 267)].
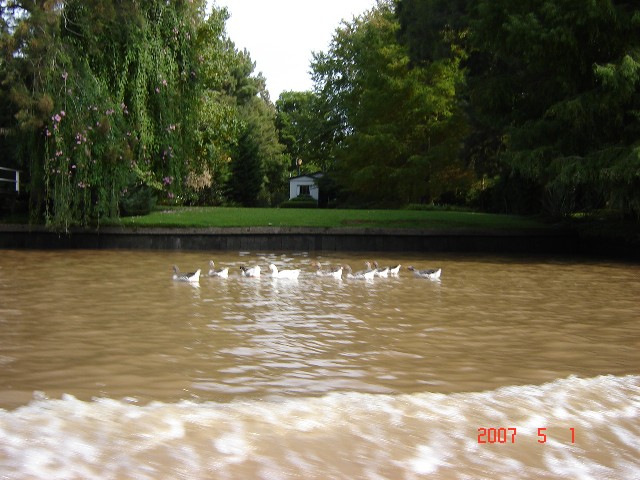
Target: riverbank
[(217, 228)]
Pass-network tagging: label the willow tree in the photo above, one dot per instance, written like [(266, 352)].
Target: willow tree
[(106, 97), (398, 128)]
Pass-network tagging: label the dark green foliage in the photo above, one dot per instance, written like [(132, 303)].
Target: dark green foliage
[(428, 26), (137, 200), (397, 130), (98, 91), (509, 106), (552, 100), (246, 172), (304, 131), (301, 201), (258, 166), (559, 81), (101, 90)]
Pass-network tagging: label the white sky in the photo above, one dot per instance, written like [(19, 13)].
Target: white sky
[(281, 34)]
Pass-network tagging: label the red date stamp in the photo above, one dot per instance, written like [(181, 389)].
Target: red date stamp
[(508, 435)]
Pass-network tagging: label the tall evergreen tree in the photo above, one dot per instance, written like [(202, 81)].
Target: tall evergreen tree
[(247, 172), (258, 167)]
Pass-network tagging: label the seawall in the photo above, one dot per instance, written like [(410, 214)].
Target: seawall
[(294, 239)]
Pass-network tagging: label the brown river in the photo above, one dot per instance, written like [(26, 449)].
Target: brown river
[(505, 367)]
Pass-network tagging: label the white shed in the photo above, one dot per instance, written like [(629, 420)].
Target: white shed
[(304, 185)]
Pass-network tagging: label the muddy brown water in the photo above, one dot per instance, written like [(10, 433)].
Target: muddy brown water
[(505, 368)]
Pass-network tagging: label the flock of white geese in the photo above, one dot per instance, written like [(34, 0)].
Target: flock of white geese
[(371, 271)]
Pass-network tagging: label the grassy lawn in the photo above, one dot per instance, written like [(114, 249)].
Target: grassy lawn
[(200, 217)]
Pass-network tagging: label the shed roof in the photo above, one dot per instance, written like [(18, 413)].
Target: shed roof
[(309, 175)]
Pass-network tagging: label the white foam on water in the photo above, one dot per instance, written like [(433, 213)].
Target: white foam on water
[(626, 436), (340, 435), (233, 446), (562, 461), (427, 461)]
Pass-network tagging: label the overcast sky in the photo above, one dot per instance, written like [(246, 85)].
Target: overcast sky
[(281, 34)]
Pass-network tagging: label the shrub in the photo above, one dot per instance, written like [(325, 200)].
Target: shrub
[(138, 200), (301, 201)]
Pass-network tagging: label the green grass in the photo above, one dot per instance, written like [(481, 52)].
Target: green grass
[(201, 217)]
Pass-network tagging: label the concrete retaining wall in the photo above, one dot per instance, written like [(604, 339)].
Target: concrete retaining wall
[(293, 239)]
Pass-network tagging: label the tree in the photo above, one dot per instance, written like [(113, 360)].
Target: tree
[(428, 26), (105, 97), (398, 129), (559, 82), (219, 122), (258, 165), (120, 100), (247, 172), (303, 131)]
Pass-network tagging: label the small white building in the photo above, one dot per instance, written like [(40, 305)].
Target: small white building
[(304, 185)]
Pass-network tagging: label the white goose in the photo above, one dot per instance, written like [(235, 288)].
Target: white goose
[(335, 272), (292, 274), (221, 272), (431, 274), (395, 270), (193, 277), (380, 272), (366, 274), (250, 271)]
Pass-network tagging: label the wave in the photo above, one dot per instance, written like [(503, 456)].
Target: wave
[(573, 427)]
